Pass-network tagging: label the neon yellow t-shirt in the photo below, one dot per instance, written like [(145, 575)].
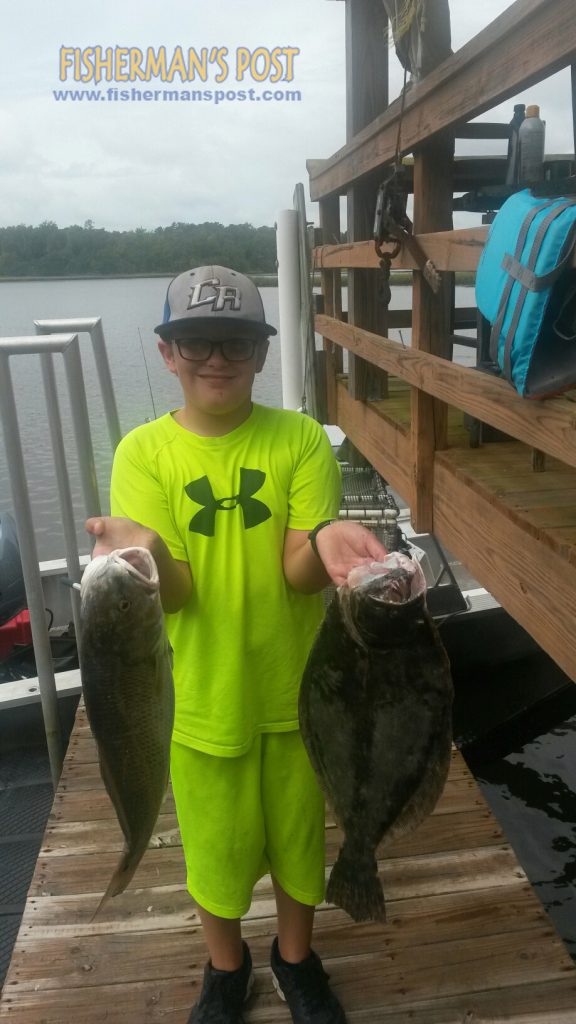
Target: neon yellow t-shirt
[(223, 505)]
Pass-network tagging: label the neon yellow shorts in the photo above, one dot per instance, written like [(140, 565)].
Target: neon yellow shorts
[(242, 817)]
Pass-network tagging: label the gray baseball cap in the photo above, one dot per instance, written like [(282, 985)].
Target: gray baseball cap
[(213, 301)]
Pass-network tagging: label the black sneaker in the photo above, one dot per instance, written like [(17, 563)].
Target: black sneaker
[(305, 988), (223, 994)]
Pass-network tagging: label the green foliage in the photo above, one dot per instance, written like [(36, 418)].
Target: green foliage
[(50, 251)]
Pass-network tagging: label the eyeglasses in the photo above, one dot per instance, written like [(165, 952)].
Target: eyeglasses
[(235, 350)]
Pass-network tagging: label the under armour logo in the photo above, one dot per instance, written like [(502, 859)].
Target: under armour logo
[(217, 298), (254, 511)]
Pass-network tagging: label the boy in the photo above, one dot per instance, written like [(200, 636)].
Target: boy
[(225, 493)]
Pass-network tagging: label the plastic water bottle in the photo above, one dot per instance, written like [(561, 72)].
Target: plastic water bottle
[(513, 162), (531, 138)]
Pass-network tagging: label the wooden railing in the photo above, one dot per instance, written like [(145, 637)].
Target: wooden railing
[(530, 41), (527, 43)]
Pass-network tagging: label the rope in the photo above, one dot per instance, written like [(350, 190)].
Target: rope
[(405, 13)]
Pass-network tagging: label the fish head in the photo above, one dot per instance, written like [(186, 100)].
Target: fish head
[(120, 599), (382, 594)]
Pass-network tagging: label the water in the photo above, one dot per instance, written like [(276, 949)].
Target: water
[(130, 308), (531, 791)]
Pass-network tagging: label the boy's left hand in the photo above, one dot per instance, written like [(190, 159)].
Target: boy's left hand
[(344, 544)]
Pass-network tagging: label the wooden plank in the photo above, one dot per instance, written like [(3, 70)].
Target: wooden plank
[(495, 471), (331, 280), (455, 895), (170, 907), (550, 497), (530, 41), (67, 916), (431, 321), (365, 309), (446, 829), (385, 443), (368, 980), (90, 805), (138, 1000), (366, 98), (449, 250), (70, 838), (549, 425), (573, 81), (482, 130), (366, 63), (470, 829), (52, 922), (151, 1001), (464, 318), (51, 963), (457, 250), (531, 581)]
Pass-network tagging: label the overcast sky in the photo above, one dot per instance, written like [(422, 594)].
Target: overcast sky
[(127, 164)]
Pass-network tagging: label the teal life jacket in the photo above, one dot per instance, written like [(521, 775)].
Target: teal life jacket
[(526, 288)]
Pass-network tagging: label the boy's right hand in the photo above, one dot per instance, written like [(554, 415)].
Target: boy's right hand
[(113, 532)]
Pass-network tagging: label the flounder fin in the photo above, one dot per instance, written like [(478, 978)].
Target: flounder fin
[(354, 885)]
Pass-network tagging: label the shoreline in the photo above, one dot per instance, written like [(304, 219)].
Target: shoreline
[(400, 277)]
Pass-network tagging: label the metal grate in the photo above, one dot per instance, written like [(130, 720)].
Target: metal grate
[(17, 862), (25, 809), (365, 489), (9, 924), (22, 768)]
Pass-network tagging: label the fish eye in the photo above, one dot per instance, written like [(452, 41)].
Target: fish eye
[(124, 605)]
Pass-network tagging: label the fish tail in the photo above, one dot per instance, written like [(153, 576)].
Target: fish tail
[(354, 885), (125, 870)]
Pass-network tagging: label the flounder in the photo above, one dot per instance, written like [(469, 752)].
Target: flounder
[(375, 714)]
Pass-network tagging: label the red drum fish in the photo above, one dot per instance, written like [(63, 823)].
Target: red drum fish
[(126, 662)]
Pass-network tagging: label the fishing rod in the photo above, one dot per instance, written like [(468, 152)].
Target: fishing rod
[(147, 374)]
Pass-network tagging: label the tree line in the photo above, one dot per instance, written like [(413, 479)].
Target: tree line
[(49, 251)]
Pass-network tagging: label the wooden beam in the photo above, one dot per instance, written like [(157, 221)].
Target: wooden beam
[(458, 250), (332, 293), (464, 319), (431, 320), (482, 130), (535, 585), (549, 425), (448, 250), (366, 63), (366, 98), (364, 306), (573, 78), (530, 41)]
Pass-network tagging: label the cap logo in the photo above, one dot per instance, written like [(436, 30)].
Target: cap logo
[(221, 295)]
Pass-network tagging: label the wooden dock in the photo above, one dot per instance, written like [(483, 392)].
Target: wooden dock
[(467, 941)]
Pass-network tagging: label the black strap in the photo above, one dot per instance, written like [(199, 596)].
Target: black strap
[(314, 533)]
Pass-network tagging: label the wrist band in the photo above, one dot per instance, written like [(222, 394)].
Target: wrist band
[(313, 534)]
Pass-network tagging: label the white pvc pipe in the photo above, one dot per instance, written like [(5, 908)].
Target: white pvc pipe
[(289, 309)]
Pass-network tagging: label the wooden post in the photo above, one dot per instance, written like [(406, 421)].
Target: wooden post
[(433, 164), (332, 295), (366, 98), (573, 69)]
